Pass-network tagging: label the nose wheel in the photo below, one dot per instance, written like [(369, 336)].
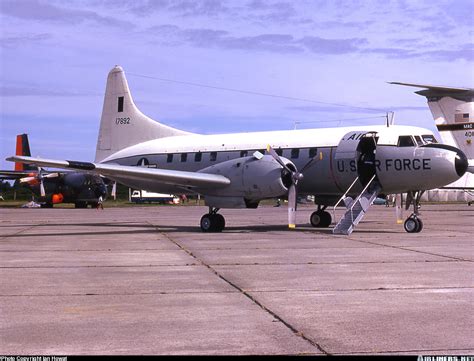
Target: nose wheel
[(212, 221), (413, 224)]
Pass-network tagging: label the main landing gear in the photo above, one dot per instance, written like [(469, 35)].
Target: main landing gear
[(320, 218), (212, 221), (414, 224)]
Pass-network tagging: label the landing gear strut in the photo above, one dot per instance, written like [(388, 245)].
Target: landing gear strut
[(320, 218), (414, 224), (212, 221)]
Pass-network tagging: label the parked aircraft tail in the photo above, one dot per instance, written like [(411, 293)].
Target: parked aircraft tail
[(453, 112), (122, 124), (23, 148)]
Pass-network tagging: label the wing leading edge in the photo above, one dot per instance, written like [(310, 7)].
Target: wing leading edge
[(115, 171)]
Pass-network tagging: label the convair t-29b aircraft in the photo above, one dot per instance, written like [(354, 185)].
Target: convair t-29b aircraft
[(339, 166)]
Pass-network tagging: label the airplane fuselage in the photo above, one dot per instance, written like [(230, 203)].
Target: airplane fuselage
[(332, 154)]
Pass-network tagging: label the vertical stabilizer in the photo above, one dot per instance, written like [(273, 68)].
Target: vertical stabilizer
[(23, 148), (122, 124), (453, 113)]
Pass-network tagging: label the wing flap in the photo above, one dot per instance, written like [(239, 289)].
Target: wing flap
[(115, 171)]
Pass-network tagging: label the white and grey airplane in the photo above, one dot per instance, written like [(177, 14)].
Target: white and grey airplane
[(453, 113), (348, 166)]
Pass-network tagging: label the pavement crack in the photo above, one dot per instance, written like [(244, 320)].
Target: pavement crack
[(292, 328)]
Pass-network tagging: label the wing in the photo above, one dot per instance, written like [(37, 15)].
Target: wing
[(120, 172), (13, 174)]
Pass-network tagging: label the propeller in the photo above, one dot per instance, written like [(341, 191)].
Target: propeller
[(42, 174), (292, 191), (39, 177)]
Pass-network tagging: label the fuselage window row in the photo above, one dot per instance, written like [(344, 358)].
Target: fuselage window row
[(198, 156)]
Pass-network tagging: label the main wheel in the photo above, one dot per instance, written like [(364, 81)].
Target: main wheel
[(212, 223), (320, 219), (220, 222)]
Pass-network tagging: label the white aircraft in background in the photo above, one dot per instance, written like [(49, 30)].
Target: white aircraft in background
[(349, 166), (453, 113)]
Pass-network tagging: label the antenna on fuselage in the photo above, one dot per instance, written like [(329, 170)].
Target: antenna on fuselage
[(390, 119)]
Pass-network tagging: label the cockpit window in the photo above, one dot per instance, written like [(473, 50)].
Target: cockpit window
[(418, 140), (429, 138), (405, 141)]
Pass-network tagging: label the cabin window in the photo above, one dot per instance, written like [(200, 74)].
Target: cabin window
[(279, 151), (120, 104), (198, 157), (184, 157), (405, 141), (428, 138), (295, 153), (418, 140), (312, 152), (169, 158), (244, 153), (213, 156), (465, 116)]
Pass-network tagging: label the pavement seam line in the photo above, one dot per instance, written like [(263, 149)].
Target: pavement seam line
[(19, 232), (249, 296), (414, 250)]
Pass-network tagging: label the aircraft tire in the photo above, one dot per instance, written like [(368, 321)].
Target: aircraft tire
[(420, 225), (413, 225), (320, 219), (212, 223), (220, 222)]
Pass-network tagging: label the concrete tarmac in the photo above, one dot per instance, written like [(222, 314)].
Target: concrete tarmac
[(146, 280)]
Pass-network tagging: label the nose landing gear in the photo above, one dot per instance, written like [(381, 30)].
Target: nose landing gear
[(414, 224), (212, 221)]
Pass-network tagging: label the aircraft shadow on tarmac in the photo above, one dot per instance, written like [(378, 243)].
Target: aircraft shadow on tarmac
[(148, 228)]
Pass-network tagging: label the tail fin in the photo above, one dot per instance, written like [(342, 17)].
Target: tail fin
[(453, 112), (122, 124), (23, 148)]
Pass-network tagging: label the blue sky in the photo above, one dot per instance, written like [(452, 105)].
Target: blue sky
[(55, 56)]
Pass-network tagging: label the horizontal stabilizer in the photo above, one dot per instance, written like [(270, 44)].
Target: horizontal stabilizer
[(441, 91)]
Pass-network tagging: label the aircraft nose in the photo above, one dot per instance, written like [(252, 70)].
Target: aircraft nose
[(461, 163)]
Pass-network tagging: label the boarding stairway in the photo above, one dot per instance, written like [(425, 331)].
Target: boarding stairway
[(357, 208)]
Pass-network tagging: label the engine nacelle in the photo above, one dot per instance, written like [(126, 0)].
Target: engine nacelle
[(251, 179)]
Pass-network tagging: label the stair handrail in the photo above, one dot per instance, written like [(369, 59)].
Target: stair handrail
[(343, 196), (359, 196)]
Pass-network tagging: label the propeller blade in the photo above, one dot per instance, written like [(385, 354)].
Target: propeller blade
[(399, 208), (292, 206), (51, 175), (275, 156), (27, 179), (113, 193), (42, 191)]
